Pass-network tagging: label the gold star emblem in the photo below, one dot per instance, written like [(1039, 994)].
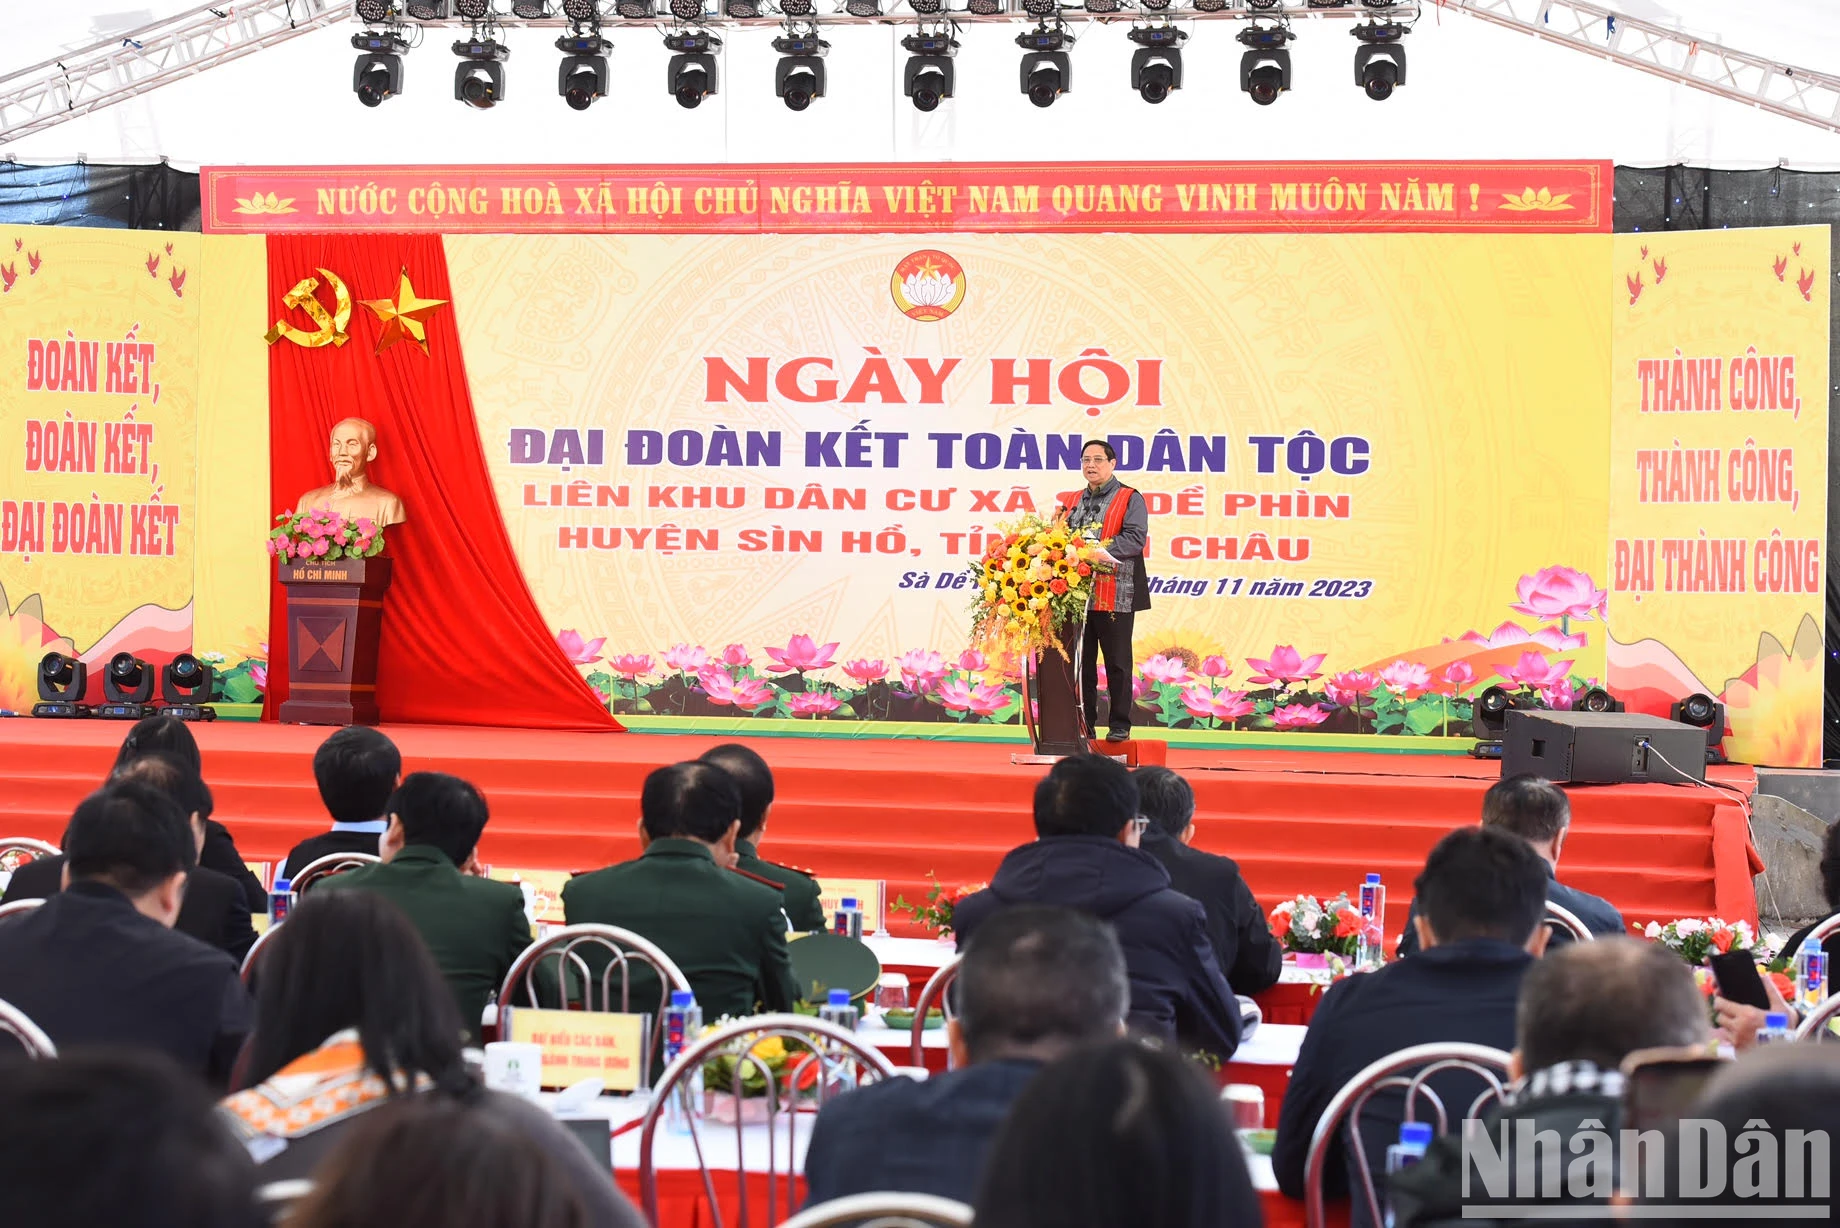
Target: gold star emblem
[(405, 319)]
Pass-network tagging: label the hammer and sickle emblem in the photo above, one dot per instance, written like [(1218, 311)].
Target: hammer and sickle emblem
[(332, 325)]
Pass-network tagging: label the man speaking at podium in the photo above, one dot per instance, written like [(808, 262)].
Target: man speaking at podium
[(1113, 513)]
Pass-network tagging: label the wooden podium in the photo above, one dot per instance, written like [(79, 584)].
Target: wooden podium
[(334, 619), (1053, 682)]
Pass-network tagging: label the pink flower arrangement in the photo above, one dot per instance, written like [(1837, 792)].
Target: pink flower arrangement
[(578, 650), (971, 661), (735, 656), (1559, 592), (1535, 672), (723, 689), (1205, 703), (983, 699), (1299, 716), (921, 671), (1285, 666), (1406, 679), (1350, 687), (1170, 671), (864, 672), (323, 534), (685, 659), (803, 653), (1509, 634), (630, 665), (1215, 667), (811, 703)]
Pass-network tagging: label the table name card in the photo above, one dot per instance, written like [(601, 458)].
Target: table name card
[(868, 893), (581, 1045)]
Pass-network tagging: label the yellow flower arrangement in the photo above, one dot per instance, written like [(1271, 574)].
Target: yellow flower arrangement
[(1040, 571)]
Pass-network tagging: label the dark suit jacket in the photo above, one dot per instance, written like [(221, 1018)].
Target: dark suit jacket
[(914, 1138), (725, 933), (219, 853), (1465, 991), (212, 911), (325, 844), (475, 927), (92, 971), (1249, 956), (1597, 913), (1177, 990), (801, 890)]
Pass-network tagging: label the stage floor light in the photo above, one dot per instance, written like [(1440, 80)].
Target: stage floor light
[(61, 683)]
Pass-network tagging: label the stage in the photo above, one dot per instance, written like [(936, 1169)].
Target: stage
[(897, 810)]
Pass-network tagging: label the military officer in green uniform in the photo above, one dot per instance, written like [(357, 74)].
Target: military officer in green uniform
[(727, 934), (754, 779), (475, 927)]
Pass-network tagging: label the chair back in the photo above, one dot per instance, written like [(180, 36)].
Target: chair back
[(277, 1198), (1821, 932), (820, 1060), (573, 950), (1566, 920), (18, 906), (31, 1037), (326, 867), (1407, 1069), (255, 951), (1815, 1026), (15, 849), (884, 1211), (933, 995)]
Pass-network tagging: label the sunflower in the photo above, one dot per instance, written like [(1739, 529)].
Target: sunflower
[(1191, 649), (1020, 564), (1020, 607), (1038, 589), (1062, 567)]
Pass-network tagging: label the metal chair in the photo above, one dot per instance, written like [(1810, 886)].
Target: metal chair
[(1566, 920), (12, 846), (884, 1211), (935, 992), (18, 906), (624, 948), (1486, 1063), (326, 867), (30, 1036), (255, 951), (831, 1058), (276, 1199), (1814, 1027), (1821, 932)]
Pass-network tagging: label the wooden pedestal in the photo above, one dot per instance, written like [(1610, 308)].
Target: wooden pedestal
[(334, 619), (1053, 682)]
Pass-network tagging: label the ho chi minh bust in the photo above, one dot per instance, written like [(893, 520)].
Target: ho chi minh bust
[(352, 494)]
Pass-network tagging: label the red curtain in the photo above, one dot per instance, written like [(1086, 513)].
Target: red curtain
[(463, 642)]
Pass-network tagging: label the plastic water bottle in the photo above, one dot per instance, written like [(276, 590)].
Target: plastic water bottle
[(1371, 950), (1775, 1029), (683, 1019), (280, 896), (1810, 975), (839, 1010), (1414, 1138), (848, 919)]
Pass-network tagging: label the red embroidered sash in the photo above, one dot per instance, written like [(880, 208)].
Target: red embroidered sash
[(1105, 586)]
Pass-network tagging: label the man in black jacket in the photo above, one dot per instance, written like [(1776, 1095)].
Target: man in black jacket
[(1538, 812), (356, 769), (1036, 984), (1483, 894), (98, 964), (1583, 1009), (1086, 857), (1249, 956)]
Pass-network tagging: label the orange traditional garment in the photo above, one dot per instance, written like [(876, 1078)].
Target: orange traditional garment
[(316, 1090)]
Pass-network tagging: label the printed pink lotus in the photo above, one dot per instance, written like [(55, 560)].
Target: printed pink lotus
[(1170, 671), (811, 703), (1456, 676), (921, 670), (735, 656), (803, 653), (1406, 679), (1215, 667), (864, 672), (630, 664), (578, 650), (1285, 666), (1535, 672), (971, 661), (1299, 716), (1350, 687), (1204, 703), (723, 689), (1559, 592), (1509, 634), (685, 659), (983, 699)]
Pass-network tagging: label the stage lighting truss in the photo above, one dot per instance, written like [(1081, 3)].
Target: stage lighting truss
[(718, 14)]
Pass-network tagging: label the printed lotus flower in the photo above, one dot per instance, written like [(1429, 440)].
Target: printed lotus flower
[(1535, 672), (24, 640), (1456, 676), (921, 670), (1172, 671), (1350, 687), (1771, 709), (1559, 592), (258, 674), (578, 650), (1509, 634), (811, 703), (735, 656), (1215, 667), (971, 661), (928, 289), (865, 672), (629, 664), (1140, 685), (983, 699), (1299, 716), (1558, 696), (1406, 679), (685, 659), (802, 653), (1204, 703), (1285, 665), (722, 688)]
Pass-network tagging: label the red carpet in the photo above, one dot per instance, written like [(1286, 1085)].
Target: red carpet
[(895, 810)]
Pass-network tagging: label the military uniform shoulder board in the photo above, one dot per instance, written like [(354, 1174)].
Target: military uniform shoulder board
[(811, 874), (763, 881)]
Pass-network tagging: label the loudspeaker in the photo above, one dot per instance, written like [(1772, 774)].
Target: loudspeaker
[(1602, 748)]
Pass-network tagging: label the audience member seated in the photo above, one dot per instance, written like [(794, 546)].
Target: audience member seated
[(1249, 955), (352, 1014), (356, 769), (121, 1139), (1035, 984), (172, 737), (1796, 1089), (1114, 1136), (1583, 1010), (726, 934), (436, 1162), (754, 779), (214, 910), (99, 964), (1538, 812), (1086, 857), (1830, 891), (1482, 896), (475, 927)]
